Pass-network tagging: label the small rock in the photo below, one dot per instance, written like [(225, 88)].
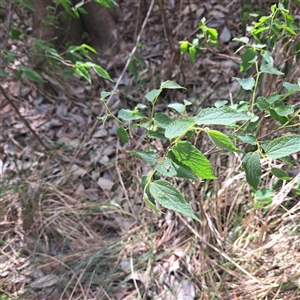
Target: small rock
[(105, 184)]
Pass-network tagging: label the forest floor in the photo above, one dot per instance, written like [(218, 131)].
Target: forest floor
[(73, 223)]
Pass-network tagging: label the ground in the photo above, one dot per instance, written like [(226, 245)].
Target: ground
[(73, 222)]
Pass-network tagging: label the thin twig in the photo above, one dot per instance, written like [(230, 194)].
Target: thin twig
[(22, 118)]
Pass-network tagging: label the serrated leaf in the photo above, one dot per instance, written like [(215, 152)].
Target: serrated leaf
[(283, 110), (156, 135), (190, 156), (283, 146), (128, 115), (101, 72), (152, 95), (179, 107), (222, 141), (148, 156), (252, 168), (171, 85), (246, 83), (169, 197), (178, 128), (122, 135), (162, 120), (220, 116), (246, 138), (170, 168), (280, 174)]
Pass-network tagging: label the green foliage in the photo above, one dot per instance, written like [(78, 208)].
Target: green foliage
[(183, 159)]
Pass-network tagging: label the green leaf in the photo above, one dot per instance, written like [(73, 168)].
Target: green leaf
[(128, 115), (220, 103), (171, 168), (152, 95), (291, 87), (222, 141), (184, 46), (273, 98), (83, 72), (263, 198), (156, 135), (180, 108), (220, 116), (280, 174), (246, 138), (171, 85), (283, 146), (101, 72), (243, 39), (178, 128), (32, 75), (122, 135), (252, 168), (192, 52), (3, 73), (246, 83), (162, 120), (191, 157), (265, 68), (169, 197), (18, 75), (283, 110), (262, 103), (248, 59), (148, 156)]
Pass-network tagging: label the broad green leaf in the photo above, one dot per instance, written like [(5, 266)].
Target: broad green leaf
[(122, 134), (192, 52), (273, 98), (190, 156), (101, 72), (184, 46), (280, 174), (178, 128), (252, 168), (283, 146), (18, 75), (179, 107), (156, 135), (246, 83), (283, 110), (220, 103), (169, 197), (105, 94), (220, 116), (28, 5), (246, 138), (3, 73), (152, 95), (170, 168), (148, 156), (265, 68), (248, 59), (128, 115), (162, 120), (83, 72), (31, 74), (263, 198), (262, 103), (171, 85), (291, 87), (222, 141), (106, 3), (277, 117), (141, 106)]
